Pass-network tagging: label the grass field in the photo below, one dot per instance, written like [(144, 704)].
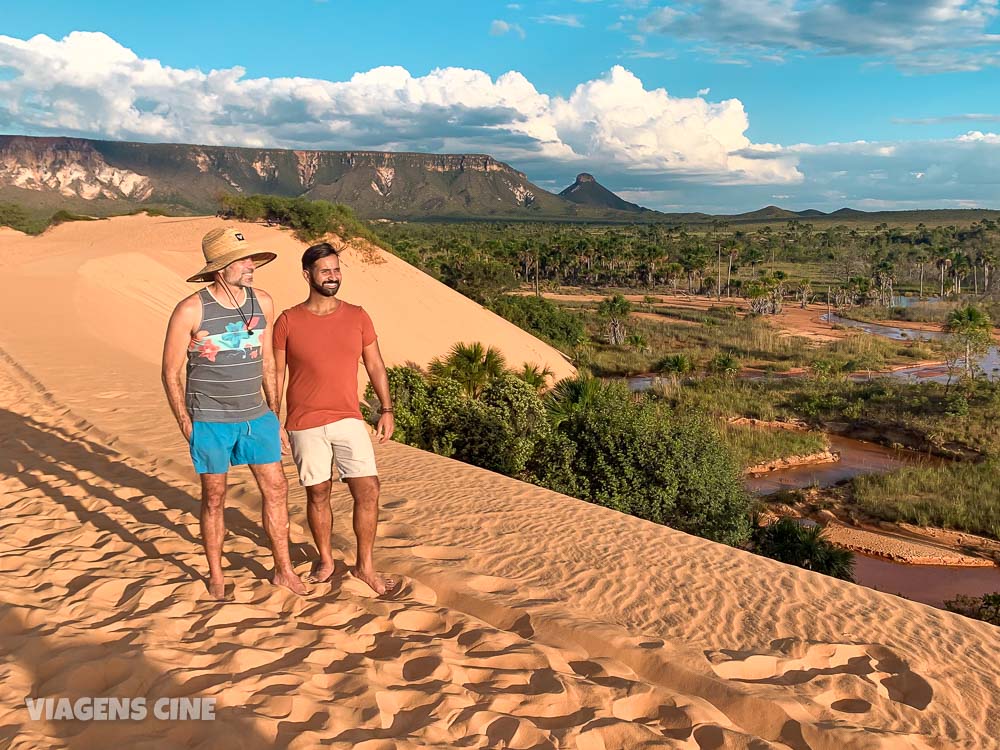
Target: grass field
[(755, 445), (960, 496)]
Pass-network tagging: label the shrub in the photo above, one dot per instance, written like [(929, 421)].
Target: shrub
[(311, 220), (479, 279), (789, 542), (724, 364), (541, 317), (679, 364), (640, 459), (586, 439), (986, 607)]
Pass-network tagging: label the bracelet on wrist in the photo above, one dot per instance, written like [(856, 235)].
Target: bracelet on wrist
[(386, 411)]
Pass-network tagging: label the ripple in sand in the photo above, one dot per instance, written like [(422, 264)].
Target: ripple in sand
[(431, 552)]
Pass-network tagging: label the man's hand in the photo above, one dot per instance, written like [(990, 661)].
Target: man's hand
[(286, 446), (186, 430), (386, 426)]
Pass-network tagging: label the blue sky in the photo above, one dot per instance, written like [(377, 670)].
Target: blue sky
[(693, 105)]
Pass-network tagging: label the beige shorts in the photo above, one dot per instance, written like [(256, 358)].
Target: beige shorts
[(345, 441)]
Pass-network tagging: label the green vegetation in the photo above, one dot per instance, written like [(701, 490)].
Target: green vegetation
[(972, 332), (724, 342), (311, 220), (752, 446), (789, 542), (934, 416), (543, 318), (586, 438), (61, 217), (928, 415), (960, 496), (985, 607), (863, 264), (15, 217), (931, 311), (35, 222)]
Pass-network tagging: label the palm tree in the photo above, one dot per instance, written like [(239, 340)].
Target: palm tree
[(615, 310), (535, 376), (471, 365), (789, 542), (942, 259), (972, 328), (920, 257), (572, 395), (679, 364)]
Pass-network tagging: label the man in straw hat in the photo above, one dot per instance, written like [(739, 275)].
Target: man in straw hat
[(222, 336)]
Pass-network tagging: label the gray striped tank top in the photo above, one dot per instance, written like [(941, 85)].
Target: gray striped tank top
[(225, 367)]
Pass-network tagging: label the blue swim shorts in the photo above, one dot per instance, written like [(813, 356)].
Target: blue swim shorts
[(215, 446)]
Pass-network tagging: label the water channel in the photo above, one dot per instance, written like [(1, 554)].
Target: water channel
[(989, 363), (930, 584)]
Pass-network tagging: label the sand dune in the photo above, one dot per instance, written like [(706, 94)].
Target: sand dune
[(526, 619)]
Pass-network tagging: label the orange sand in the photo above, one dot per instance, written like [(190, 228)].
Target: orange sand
[(526, 619)]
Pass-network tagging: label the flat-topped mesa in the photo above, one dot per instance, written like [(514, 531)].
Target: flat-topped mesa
[(88, 175)]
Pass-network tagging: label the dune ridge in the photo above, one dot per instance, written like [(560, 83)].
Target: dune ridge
[(526, 619)]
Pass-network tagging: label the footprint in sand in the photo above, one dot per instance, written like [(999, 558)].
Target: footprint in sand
[(793, 662), (418, 620)]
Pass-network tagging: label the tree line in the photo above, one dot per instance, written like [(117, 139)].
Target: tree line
[(867, 263)]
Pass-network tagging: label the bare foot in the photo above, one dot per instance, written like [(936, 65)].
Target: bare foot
[(217, 589), (377, 583), (290, 581), (321, 572)]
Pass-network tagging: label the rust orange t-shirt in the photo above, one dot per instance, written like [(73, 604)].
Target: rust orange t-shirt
[(322, 354)]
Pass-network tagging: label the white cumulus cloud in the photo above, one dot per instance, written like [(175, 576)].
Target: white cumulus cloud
[(87, 84)]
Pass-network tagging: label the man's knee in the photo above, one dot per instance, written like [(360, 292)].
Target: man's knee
[(365, 489), (318, 495), (214, 497), (279, 485)]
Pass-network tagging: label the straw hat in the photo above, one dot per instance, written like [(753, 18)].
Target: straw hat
[(223, 246)]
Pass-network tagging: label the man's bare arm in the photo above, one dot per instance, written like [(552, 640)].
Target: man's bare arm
[(271, 393), (280, 363), (372, 358), (185, 318)]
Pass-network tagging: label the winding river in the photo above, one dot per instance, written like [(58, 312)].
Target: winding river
[(929, 584), (989, 363), (856, 457)]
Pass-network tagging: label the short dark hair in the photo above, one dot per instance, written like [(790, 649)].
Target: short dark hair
[(317, 252)]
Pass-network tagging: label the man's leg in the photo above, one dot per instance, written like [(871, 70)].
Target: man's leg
[(365, 491), (320, 524), (213, 529), (313, 456), (274, 492)]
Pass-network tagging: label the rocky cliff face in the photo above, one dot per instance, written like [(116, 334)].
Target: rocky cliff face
[(70, 167), (106, 177)]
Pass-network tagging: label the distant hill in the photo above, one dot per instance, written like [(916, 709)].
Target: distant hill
[(776, 215), (587, 191), (107, 177), (768, 213)]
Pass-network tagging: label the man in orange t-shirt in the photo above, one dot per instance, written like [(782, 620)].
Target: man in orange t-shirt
[(321, 341)]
